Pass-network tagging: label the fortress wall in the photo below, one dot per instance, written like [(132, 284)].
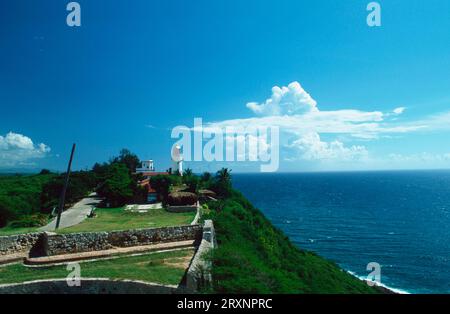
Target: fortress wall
[(56, 244)]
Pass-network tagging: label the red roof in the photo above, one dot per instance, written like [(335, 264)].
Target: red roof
[(153, 173), (146, 181)]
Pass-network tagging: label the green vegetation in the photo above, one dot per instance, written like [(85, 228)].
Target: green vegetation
[(164, 268), (27, 201), (117, 187), (8, 230), (117, 181), (81, 183), (110, 219), (161, 184), (20, 196), (255, 257)]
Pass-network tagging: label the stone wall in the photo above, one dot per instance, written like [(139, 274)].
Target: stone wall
[(198, 274), (18, 243), (181, 209), (56, 244)]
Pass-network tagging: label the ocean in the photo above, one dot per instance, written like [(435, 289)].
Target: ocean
[(398, 219)]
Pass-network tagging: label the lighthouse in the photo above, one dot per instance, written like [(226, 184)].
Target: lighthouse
[(177, 159)]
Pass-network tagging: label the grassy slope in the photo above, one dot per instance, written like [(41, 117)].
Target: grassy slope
[(109, 219), (165, 268), (255, 257)]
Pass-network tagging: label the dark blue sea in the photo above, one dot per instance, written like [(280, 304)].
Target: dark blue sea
[(399, 219)]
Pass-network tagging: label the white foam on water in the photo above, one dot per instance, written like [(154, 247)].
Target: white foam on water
[(399, 291)]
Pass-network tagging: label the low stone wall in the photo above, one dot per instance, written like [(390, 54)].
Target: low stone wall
[(198, 215), (18, 243), (56, 244), (198, 274), (88, 286), (184, 208)]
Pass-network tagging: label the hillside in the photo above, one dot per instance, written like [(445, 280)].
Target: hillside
[(255, 257)]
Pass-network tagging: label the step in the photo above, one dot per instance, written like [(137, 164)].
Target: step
[(12, 258)]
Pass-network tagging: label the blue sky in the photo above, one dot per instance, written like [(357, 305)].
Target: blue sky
[(134, 70)]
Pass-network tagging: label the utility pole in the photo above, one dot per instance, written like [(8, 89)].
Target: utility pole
[(62, 200)]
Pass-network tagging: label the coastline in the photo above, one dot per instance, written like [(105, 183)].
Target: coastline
[(385, 288)]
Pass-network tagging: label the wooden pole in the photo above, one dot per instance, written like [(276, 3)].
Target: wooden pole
[(62, 200)]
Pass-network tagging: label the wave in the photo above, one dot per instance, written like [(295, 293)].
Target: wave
[(395, 290)]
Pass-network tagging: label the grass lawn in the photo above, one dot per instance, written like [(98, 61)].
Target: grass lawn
[(163, 267), (110, 219), (6, 231)]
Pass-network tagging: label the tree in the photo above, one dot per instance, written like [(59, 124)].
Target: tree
[(222, 185), (188, 172), (193, 183), (224, 175), (128, 158), (206, 179), (118, 187), (45, 171), (5, 214), (206, 176), (161, 184)]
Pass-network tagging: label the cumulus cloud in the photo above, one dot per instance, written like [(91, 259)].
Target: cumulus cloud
[(285, 100), (311, 147), (303, 126), (19, 150), (292, 109)]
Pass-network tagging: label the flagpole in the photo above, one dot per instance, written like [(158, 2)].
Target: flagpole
[(63, 194)]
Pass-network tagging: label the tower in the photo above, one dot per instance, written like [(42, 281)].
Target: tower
[(177, 159)]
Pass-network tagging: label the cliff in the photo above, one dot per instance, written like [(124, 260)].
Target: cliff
[(255, 257)]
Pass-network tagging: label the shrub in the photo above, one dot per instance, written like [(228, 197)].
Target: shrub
[(29, 221)]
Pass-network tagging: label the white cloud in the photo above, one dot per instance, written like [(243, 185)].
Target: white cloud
[(420, 157), (18, 150), (289, 100), (399, 110), (311, 147), (302, 124)]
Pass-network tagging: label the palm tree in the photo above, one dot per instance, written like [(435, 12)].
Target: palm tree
[(223, 182), (188, 172), (206, 176), (224, 175)]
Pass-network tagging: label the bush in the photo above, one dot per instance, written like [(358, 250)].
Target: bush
[(21, 195), (5, 213), (29, 221)]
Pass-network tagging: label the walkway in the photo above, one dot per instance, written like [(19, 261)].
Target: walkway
[(76, 214)]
